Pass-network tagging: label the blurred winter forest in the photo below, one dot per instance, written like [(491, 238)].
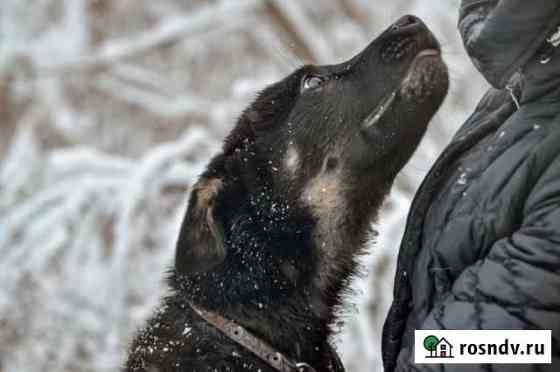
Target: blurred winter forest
[(108, 112)]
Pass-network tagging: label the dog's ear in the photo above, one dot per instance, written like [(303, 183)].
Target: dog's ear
[(201, 244)]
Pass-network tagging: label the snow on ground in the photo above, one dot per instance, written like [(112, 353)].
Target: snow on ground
[(109, 112)]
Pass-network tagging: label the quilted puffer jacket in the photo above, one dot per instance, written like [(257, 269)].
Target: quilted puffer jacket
[(481, 249)]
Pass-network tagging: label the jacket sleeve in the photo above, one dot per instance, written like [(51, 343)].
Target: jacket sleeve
[(515, 286)]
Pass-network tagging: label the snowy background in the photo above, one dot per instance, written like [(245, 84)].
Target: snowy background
[(108, 112)]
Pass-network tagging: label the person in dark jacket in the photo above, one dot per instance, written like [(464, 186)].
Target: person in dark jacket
[(481, 249)]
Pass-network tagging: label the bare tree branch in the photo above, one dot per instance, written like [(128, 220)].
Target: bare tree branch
[(308, 43), (165, 32)]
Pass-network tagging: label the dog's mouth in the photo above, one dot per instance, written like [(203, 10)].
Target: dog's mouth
[(418, 84)]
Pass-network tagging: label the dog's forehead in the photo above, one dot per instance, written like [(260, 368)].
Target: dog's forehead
[(291, 81)]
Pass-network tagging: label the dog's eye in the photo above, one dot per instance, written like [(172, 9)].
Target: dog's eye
[(312, 82)]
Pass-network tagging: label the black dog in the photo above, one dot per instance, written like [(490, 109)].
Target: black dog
[(276, 222)]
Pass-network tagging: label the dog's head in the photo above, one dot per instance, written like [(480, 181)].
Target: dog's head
[(310, 161)]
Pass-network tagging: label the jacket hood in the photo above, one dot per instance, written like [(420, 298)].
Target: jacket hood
[(501, 36)]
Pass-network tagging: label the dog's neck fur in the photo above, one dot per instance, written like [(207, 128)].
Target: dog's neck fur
[(272, 280), (267, 282)]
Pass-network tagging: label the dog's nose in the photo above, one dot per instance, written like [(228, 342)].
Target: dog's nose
[(406, 24), (405, 38)]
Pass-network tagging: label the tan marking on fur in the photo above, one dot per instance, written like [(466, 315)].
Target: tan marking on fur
[(207, 189), (323, 195), (291, 160)]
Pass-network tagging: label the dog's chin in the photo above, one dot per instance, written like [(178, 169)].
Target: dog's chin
[(423, 88), (426, 79)]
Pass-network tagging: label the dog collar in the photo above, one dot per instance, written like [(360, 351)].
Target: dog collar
[(241, 336)]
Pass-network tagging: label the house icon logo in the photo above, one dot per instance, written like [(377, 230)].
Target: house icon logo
[(438, 347)]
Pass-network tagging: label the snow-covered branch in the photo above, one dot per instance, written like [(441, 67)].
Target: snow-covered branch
[(164, 32)]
